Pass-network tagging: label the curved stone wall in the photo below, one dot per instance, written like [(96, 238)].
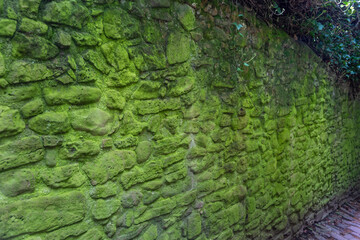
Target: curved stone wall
[(157, 120)]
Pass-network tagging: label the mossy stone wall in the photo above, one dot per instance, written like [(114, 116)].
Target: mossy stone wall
[(141, 120)]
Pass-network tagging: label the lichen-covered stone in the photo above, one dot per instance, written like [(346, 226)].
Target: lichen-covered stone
[(32, 108), (149, 57), (126, 142), (17, 182), (67, 231), (130, 125), (68, 12), (118, 24), (24, 72), (80, 149), (7, 27), (158, 209), (122, 78), (33, 46), (50, 123), (68, 176), (72, 95), (109, 165), (183, 86), (10, 122), (178, 48), (41, 213), (31, 26), (131, 199), (193, 225), (85, 39), (103, 209), (62, 39), (92, 120), (21, 152), (151, 233), (116, 55)]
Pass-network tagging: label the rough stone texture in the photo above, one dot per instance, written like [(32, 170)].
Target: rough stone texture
[(137, 107)]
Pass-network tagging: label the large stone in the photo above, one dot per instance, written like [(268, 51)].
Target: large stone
[(67, 176), (121, 79), (149, 57), (21, 152), (33, 46), (130, 125), (178, 48), (93, 120), (50, 123), (72, 95), (116, 55), (10, 122), (109, 189), (23, 72), (143, 151), (119, 24), (7, 27), (13, 183), (67, 12), (193, 225), (114, 100), (109, 165), (33, 108), (42, 213)]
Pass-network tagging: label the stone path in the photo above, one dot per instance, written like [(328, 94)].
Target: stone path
[(343, 224)]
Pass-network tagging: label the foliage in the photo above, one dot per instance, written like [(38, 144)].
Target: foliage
[(329, 27)]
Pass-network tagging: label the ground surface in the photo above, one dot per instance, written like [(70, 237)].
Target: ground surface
[(343, 224)]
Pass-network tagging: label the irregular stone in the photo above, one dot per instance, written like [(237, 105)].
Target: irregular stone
[(85, 39), (50, 123), (68, 176), (168, 145), (103, 209), (151, 32), (121, 79), (131, 199), (33, 108), (178, 48), (143, 151), (160, 3), (193, 225), (106, 190), (92, 120), (157, 105), (67, 12), (72, 95), (93, 234), (162, 14), (21, 152), (67, 231), (42, 213), (130, 125), (96, 58), (7, 27), (150, 197), (159, 208), (31, 26), (29, 8), (147, 90), (186, 16), (16, 182), (118, 24), (116, 55), (2, 65), (126, 142), (62, 39), (33, 46), (149, 57), (109, 165), (183, 86), (80, 149), (52, 141), (23, 72), (114, 100), (3, 83), (137, 175), (151, 233), (10, 122)]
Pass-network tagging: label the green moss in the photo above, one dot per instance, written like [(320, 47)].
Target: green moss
[(79, 149), (50, 123), (186, 16), (143, 151), (109, 189), (103, 209), (116, 55), (151, 233), (31, 26), (24, 72), (32, 108), (72, 95), (17, 182), (118, 24), (137, 175), (68, 176), (7, 27)]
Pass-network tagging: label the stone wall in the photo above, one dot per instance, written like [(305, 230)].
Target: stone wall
[(157, 120)]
